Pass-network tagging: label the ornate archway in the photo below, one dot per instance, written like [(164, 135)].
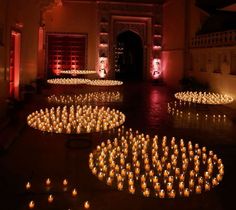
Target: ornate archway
[(129, 56), (138, 28)]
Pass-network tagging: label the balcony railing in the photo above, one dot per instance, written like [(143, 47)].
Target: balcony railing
[(225, 38)]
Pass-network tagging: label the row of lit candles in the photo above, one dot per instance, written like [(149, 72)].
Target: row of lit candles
[(99, 82), (77, 72), (94, 97), (67, 81), (32, 204), (51, 197), (76, 81), (75, 119), (203, 97), (178, 111), (127, 159)]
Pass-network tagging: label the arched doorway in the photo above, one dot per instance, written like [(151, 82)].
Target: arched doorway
[(129, 57)]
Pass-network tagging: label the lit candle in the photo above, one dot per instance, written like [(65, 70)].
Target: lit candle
[(65, 182), (131, 189), (172, 194), (48, 182), (74, 192), (186, 192), (120, 185), (162, 193), (28, 186), (86, 205), (198, 189), (50, 199), (181, 186), (207, 186), (146, 192), (109, 181), (31, 204)]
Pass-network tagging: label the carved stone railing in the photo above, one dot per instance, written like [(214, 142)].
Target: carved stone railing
[(225, 38)]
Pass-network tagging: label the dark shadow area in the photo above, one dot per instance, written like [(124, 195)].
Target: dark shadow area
[(129, 60)]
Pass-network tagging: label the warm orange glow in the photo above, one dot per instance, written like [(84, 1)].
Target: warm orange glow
[(15, 64)]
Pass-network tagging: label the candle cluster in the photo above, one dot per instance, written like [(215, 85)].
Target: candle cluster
[(67, 81), (182, 108), (188, 115), (99, 82), (203, 97), (75, 119), (74, 72), (77, 81), (94, 97), (50, 196), (155, 167)]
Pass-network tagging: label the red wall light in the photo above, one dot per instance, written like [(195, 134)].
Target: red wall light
[(156, 68), (103, 67)]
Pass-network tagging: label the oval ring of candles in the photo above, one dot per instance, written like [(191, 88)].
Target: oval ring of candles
[(67, 81), (94, 97), (75, 119), (204, 97), (77, 72), (101, 82), (156, 167)]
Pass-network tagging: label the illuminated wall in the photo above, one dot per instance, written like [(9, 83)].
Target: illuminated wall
[(78, 18), (211, 61), (173, 41), (3, 83)]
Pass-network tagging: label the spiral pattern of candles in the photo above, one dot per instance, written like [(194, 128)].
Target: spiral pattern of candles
[(203, 97), (94, 97), (156, 167), (75, 119)]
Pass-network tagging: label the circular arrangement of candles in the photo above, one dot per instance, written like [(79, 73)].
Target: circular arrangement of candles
[(203, 97), (67, 81), (75, 119), (78, 72), (156, 167), (51, 197), (100, 82), (94, 97)]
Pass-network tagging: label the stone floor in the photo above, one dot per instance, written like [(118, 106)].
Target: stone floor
[(34, 156)]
